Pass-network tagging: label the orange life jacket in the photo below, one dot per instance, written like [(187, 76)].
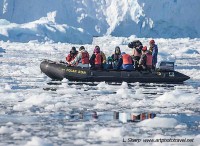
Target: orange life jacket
[(127, 59), (149, 59), (98, 59), (85, 58)]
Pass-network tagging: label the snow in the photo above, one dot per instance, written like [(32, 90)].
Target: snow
[(44, 29), (78, 21)]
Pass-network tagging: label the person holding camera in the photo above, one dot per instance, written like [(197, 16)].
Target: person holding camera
[(71, 56), (137, 52)]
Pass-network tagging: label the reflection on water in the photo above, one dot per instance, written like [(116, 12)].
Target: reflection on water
[(109, 116), (124, 117)]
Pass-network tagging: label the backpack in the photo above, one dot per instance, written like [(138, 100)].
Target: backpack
[(134, 44)]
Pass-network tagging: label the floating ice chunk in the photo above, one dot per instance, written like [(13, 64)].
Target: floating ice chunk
[(106, 133), (80, 142), (159, 123), (33, 70), (21, 134), (102, 85), (197, 140), (124, 85), (64, 84), (9, 124), (37, 99), (36, 141), (72, 91), (139, 91), (124, 93), (2, 90), (191, 51), (2, 50), (178, 96), (181, 126), (65, 80), (8, 87), (4, 130), (171, 58)]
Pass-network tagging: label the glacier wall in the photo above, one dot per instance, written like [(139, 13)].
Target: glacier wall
[(142, 18)]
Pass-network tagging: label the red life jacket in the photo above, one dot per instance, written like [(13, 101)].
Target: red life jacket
[(85, 58), (97, 59), (70, 57), (127, 59), (149, 59)]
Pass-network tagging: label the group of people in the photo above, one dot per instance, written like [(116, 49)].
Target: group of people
[(141, 58)]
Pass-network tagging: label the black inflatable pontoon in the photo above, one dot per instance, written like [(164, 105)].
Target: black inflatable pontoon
[(59, 71)]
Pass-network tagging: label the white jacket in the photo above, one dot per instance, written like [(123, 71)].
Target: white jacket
[(77, 60)]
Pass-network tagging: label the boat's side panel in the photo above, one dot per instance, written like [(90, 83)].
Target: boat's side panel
[(76, 73), (53, 70), (108, 76), (59, 71)]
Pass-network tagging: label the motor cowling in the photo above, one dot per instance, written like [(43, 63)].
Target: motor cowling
[(165, 66)]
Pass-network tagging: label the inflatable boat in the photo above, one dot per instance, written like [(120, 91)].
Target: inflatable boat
[(59, 71)]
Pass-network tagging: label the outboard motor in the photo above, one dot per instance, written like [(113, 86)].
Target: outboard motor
[(165, 66)]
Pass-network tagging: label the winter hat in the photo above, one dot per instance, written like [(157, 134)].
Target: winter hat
[(73, 50), (151, 42), (123, 53), (97, 49), (81, 48)]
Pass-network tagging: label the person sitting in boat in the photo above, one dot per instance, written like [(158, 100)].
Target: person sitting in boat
[(125, 62), (154, 51), (103, 64), (96, 59), (82, 58), (109, 64), (71, 56), (116, 56), (145, 62), (136, 46), (137, 52)]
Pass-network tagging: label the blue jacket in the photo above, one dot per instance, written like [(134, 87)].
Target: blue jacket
[(154, 54), (120, 65), (128, 67)]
